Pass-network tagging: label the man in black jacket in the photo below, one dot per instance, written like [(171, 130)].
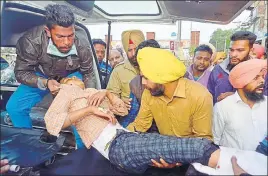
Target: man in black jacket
[(44, 55)]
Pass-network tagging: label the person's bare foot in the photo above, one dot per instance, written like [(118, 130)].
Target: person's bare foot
[(236, 168)]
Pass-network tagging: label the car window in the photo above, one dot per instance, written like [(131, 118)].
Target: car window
[(4, 64), (128, 7), (8, 57)]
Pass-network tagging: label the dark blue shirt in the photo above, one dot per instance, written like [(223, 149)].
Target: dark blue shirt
[(102, 66)]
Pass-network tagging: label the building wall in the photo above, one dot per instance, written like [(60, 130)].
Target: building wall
[(150, 35), (181, 51), (195, 37), (106, 39), (163, 43)]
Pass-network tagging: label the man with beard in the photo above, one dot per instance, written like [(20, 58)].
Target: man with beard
[(199, 71), (124, 72), (136, 90), (44, 55), (240, 120), (240, 47), (180, 107)]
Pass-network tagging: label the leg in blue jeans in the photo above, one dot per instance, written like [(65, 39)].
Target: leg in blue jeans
[(20, 104), (78, 139)]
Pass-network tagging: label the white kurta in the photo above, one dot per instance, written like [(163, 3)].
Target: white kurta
[(237, 125)]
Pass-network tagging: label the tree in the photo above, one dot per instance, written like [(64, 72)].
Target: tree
[(221, 39), (191, 50)]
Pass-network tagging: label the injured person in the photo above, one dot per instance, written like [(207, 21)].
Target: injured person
[(132, 151)]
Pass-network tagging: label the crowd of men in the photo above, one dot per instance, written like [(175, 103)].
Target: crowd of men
[(219, 98)]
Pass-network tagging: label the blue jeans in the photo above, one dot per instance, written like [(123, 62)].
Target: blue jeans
[(133, 112), (262, 149), (24, 98)]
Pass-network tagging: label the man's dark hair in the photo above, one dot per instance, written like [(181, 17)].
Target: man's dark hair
[(147, 43), (60, 15), (205, 48), (99, 41), (244, 35)]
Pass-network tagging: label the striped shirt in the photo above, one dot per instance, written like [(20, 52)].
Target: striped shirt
[(72, 98)]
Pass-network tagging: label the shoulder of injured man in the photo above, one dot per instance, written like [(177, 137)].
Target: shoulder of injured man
[(71, 90)]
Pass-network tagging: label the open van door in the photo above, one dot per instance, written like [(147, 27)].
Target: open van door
[(161, 12), (16, 18)]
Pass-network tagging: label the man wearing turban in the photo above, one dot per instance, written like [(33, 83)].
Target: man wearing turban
[(124, 72), (180, 107), (258, 51), (240, 120), (136, 90), (219, 58), (240, 47)]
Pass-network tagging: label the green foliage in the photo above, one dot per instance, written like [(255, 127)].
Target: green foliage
[(191, 50), (218, 38)]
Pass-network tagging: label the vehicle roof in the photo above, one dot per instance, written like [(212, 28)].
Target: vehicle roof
[(164, 12)]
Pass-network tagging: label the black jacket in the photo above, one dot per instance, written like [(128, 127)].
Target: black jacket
[(32, 57)]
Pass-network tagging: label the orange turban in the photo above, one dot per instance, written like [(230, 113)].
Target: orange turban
[(258, 50), (246, 71)]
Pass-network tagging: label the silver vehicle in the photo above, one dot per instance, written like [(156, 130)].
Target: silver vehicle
[(19, 16)]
